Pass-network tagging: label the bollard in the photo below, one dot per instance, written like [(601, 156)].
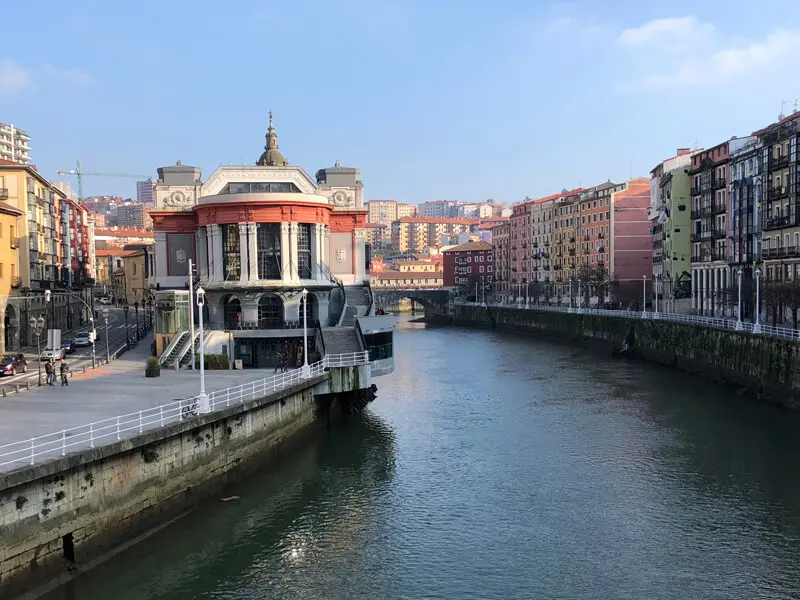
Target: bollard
[(84, 369), (16, 388), (27, 385), (4, 391)]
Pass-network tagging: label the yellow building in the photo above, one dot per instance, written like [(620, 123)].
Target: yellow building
[(566, 220), (9, 269)]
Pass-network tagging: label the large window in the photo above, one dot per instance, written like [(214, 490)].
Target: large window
[(231, 257), (261, 188), (270, 311), (304, 251), (180, 249), (268, 240)]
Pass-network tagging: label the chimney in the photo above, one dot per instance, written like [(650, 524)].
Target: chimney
[(684, 151)]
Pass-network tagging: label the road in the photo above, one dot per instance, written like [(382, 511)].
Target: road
[(82, 357)]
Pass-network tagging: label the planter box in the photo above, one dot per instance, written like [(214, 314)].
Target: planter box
[(152, 372)]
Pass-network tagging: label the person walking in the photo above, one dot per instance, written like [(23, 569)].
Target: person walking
[(278, 358), (64, 372), (48, 371)]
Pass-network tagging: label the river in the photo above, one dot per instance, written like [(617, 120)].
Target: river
[(495, 466)]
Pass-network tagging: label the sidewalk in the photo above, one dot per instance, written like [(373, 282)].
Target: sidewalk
[(115, 389)]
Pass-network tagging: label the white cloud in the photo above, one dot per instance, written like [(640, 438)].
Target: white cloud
[(681, 33), (559, 25), (689, 52), (13, 78)]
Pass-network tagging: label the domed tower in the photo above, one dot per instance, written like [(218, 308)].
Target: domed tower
[(272, 156)]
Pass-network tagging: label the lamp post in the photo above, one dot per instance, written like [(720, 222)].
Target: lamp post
[(125, 309), (757, 324), (580, 298), (136, 309), (656, 279), (306, 371), (37, 325), (739, 325), (150, 310), (644, 296), (202, 399), (105, 321)]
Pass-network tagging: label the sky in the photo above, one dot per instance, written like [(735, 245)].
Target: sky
[(431, 99)]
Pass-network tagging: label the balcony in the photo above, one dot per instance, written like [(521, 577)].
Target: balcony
[(601, 235), (718, 209), (15, 282), (720, 182), (777, 222), (572, 240), (696, 237), (782, 252), (719, 233), (695, 190), (702, 212), (779, 163), (777, 192), (3, 193)]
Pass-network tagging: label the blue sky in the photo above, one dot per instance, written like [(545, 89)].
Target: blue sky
[(431, 99)]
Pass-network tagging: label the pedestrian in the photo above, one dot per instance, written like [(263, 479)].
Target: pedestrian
[(284, 362), (278, 356), (48, 370), (64, 372)]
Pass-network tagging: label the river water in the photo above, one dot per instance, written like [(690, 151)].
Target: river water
[(501, 467)]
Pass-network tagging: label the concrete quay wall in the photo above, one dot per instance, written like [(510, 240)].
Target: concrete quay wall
[(69, 510), (768, 367)]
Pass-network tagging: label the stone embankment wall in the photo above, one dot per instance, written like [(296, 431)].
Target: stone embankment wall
[(767, 366), (73, 508)]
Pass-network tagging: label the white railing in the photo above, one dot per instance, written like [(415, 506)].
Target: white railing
[(715, 322), (116, 428)]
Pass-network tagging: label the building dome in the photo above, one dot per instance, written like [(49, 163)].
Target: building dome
[(271, 156)]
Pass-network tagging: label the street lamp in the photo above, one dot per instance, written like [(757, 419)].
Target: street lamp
[(757, 324), (570, 296), (150, 310), (306, 371), (580, 298), (105, 320), (125, 309), (644, 296), (202, 399), (656, 279), (37, 325), (739, 325), (136, 308)]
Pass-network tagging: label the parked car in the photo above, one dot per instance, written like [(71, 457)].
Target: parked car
[(104, 300), (54, 354), (13, 364), (68, 346), (83, 338)]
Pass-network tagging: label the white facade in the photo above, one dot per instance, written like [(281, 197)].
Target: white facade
[(14, 144)]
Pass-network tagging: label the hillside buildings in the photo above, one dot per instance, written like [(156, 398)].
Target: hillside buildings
[(14, 144)]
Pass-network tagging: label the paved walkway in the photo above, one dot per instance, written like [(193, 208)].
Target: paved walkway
[(115, 389)]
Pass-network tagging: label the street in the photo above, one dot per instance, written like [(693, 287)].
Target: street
[(82, 357)]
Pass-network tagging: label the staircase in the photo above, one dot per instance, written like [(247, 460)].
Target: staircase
[(173, 348), (358, 302), (186, 360), (341, 340)]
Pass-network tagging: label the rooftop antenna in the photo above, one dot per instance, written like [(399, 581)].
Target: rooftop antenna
[(783, 103), (796, 101)]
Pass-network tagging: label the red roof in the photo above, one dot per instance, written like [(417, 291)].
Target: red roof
[(470, 247)]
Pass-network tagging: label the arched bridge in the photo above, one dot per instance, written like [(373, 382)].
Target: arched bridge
[(435, 300)]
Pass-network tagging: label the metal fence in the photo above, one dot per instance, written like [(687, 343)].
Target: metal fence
[(715, 322), (115, 428)]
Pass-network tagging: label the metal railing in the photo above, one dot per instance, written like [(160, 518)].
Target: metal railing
[(115, 428), (715, 322)]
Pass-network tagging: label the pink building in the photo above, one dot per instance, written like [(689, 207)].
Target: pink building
[(631, 241), (519, 245)]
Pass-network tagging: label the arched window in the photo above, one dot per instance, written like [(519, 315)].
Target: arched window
[(232, 312), (270, 311), (310, 304)]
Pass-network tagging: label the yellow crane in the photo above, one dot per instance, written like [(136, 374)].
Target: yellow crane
[(80, 174)]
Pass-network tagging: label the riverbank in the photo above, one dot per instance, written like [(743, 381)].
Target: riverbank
[(769, 368)]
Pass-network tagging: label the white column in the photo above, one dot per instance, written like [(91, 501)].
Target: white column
[(326, 247), (293, 231), (694, 288), (216, 267), (252, 249), (244, 276), (316, 237), (285, 253)]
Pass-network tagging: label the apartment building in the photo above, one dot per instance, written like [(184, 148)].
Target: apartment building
[(439, 209), (566, 222), (501, 259), (711, 280), (541, 238), (14, 144), (519, 248), (414, 234)]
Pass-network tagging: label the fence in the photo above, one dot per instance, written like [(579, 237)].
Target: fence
[(115, 428), (715, 322)]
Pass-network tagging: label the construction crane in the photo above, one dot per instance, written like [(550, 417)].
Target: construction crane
[(80, 174)]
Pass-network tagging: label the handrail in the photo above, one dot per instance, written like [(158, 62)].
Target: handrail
[(344, 305), (172, 345), (715, 322), (87, 436)]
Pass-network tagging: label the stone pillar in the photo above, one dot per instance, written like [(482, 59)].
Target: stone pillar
[(326, 249), (249, 309), (285, 253), (216, 267), (244, 261), (160, 239), (359, 268), (316, 237), (201, 257), (252, 250), (323, 302), (694, 288), (293, 266)]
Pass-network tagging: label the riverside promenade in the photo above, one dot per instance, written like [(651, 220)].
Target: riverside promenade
[(117, 388)]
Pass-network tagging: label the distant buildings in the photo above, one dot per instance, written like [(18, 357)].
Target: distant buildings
[(415, 234), (469, 266), (145, 191), (14, 144)]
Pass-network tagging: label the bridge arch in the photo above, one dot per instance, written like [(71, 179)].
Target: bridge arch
[(436, 301)]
